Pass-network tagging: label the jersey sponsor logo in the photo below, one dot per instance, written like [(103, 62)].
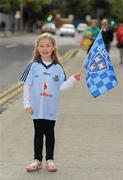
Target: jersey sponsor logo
[(36, 76), (46, 73), (45, 86), (56, 78), (44, 93)]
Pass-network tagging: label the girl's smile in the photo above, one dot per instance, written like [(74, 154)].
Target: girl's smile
[(45, 49)]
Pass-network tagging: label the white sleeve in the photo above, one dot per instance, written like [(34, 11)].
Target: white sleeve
[(26, 96), (68, 83)]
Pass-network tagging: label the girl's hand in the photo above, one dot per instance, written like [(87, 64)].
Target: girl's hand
[(77, 76), (29, 110)]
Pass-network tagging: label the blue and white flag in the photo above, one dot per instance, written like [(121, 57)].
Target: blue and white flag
[(100, 74)]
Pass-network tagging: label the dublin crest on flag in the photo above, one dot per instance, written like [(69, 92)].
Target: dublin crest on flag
[(100, 74)]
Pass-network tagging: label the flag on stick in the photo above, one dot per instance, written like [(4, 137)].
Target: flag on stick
[(100, 74)]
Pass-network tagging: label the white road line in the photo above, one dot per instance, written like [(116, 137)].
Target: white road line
[(11, 45)]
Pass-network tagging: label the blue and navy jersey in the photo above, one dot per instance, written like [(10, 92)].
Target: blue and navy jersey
[(44, 82)]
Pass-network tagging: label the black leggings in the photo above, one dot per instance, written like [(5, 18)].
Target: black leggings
[(44, 127)]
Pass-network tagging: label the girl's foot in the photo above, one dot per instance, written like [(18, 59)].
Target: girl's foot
[(34, 166), (50, 165)]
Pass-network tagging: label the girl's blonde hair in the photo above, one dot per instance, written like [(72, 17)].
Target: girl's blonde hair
[(54, 55)]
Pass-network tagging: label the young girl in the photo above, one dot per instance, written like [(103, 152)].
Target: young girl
[(43, 79)]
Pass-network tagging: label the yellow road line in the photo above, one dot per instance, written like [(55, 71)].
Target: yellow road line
[(10, 90), (11, 95)]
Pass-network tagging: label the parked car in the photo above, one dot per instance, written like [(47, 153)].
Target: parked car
[(81, 27), (49, 27), (68, 30)]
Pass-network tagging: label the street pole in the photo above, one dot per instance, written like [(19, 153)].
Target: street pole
[(21, 20)]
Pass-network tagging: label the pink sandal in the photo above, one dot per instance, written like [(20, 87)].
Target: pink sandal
[(50, 165), (34, 166)]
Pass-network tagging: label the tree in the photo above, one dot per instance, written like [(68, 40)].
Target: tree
[(76, 7), (40, 9), (30, 6), (95, 8), (100, 9), (116, 9), (32, 9), (9, 6)]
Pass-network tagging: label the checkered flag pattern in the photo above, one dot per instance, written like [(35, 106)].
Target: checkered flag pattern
[(100, 74)]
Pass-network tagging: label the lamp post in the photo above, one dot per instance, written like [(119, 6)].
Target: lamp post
[(17, 20), (21, 18)]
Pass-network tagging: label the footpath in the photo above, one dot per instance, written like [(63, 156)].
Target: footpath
[(89, 133)]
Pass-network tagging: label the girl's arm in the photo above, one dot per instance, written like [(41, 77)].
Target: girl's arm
[(26, 96), (26, 99), (70, 81)]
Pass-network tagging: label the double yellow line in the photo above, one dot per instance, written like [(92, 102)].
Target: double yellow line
[(10, 93), (17, 88), (69, 54)]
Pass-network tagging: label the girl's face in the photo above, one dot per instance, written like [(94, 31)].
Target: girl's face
[(45, 49)]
